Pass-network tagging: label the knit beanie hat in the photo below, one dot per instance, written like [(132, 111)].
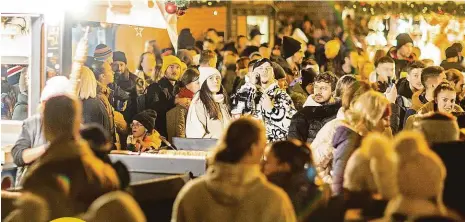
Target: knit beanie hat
[(206, 72), (420, 172), (290, 46), (119, 57), (332, 49), (102, 52), (451, 52), (438, 127), (169, 60), (308, 76), (147, 119), (402, 39), (55, 86), (185, 39)]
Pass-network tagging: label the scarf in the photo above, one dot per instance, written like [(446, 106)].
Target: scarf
[(185, 93)]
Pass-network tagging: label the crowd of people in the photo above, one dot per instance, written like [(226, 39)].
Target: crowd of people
[(303, 133)]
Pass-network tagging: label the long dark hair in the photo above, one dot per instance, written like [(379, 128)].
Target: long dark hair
[(213, 108), (190, 75), (293, 152), (238, 140)]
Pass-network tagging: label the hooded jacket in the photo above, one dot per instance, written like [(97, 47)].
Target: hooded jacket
[(69, 177), (306, 123), (403, 100), (345, 142), (232, 192)]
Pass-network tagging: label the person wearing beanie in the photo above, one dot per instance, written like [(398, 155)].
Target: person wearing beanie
[(452, 60), (249, 50), (103, 53), (185, 39), (370, 171), (280, 76), (370, 112), (305, 84), (144, 135), (31, 143), (68, 172), (402, 54), (208, 115), (293, 53), (420, 175), (442, 133), (161, 96), (186, 87), (444, 101), (127, 81), (275, 104), (320, 108)]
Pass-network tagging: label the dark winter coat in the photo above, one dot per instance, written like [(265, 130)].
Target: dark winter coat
[(404, 100), (452, 65), (306, 123), (93, 111), (308, 200), (130, 85), (69, 177), (452, 155), (345, 142), (401, 64), (161, 98)]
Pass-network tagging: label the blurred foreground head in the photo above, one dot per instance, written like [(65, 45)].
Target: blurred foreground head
[(438, 127), (62, 116)]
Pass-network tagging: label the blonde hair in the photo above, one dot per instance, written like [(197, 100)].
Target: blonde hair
[(61, 117), (367, 110), (88, 84)]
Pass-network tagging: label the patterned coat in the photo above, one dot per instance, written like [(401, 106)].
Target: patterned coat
[(278, 120)]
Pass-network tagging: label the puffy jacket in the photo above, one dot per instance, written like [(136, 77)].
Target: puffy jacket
[(345, 142), (306, 123)]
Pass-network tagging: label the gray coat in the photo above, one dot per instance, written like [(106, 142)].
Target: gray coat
[(31, 135)]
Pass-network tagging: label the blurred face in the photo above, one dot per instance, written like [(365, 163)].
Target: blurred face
[(386, 70), (414, 78), (276, 51), (214, 83), (148, 47), (406, 50), (108, 75), (242, 42), (446, 101), (173, 72), (298, 57), (193, 86), (265, 52), (307, 26), (212, 35), (148, 63), (137, 128), (282, 83), (265, 71), (257, 38), (271, 163), (208, 46), (383, 123), (119, 67), (311, 49), (322, 92)]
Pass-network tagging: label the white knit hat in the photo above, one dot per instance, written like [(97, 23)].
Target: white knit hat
[(56, 86), (206, 72)]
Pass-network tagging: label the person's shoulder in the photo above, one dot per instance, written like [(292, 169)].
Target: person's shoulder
[(272, 191), (193, 188)]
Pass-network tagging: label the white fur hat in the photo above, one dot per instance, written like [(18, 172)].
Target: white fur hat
[(56, 86), (206, 72)]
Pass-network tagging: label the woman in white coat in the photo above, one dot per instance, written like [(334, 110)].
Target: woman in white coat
[(209, 113)]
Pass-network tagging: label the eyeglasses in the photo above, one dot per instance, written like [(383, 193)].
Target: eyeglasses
[(133, 125)]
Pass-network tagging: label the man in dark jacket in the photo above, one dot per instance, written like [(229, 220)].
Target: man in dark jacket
[(160, 95), (452, 60), (319, 109), (402, 54), (406, 87), (128, 82)]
